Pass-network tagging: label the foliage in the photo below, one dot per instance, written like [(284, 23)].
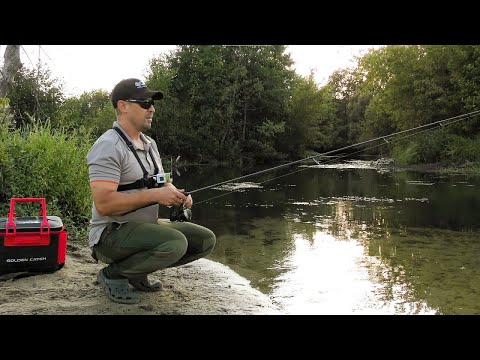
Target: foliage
[(421, 149), (5, 116), (462, 150), (401, 87), (311, 120), (217, 98), (349, 100), (407, 154), (39, 161), (92, 112), (34, 95)]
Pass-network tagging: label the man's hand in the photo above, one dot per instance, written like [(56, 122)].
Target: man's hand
[(170, 195), (188, 202)]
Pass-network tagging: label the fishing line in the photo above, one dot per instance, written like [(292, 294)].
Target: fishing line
[(384, 137), (432, 126)]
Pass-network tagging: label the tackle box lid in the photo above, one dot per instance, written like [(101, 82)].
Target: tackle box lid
[(32, 223)]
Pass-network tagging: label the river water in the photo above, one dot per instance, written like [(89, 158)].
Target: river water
[(347, 238)]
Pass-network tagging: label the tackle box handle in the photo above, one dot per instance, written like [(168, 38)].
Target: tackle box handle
[(11, 215)]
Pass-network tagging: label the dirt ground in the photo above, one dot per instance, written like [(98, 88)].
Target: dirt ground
[(203, 287)]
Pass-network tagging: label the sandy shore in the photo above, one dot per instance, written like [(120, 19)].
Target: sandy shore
[(203, 287)]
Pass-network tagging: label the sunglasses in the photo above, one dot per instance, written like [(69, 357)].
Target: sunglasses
[(145, 104)]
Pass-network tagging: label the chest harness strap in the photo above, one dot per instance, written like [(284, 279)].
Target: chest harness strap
[(145, 181)]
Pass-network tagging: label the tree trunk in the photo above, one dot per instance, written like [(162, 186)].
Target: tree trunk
[(230, 112), (244, 120), (11, 65)]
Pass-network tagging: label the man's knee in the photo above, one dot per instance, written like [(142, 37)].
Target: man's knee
[(209, 241), (160, 257), (176, 247)]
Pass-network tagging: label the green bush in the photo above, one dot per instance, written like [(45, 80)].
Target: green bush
[(432, 146), (463, 150), (422, 148), (90, 112), (406, 153), (38, 161), (437, 147)]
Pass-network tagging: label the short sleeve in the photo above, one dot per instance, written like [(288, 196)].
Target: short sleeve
[(104, 161)]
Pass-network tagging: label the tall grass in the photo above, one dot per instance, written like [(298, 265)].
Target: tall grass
[(38, 161), (438, 147)]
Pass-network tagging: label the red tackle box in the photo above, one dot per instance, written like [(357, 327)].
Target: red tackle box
[(32, 243)]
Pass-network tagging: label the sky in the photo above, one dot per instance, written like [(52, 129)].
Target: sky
[(93, 67)]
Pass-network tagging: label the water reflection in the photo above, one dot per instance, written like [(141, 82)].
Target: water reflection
[(348, 240), (334, 277)]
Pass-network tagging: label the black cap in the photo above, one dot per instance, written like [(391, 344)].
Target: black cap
[(133, 89)]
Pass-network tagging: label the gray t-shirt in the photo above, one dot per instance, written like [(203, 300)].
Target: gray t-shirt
[(111, 160)]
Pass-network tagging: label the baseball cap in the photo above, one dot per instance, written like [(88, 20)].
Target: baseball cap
[(133, 89)]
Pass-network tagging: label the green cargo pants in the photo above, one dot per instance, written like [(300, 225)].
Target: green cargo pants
[(133, 248)]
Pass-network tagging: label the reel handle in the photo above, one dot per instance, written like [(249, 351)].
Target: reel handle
[(180, 213)]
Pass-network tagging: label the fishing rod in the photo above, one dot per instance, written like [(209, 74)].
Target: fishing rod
[(385, 138), (332, 159), (182, 214), (179, 213)]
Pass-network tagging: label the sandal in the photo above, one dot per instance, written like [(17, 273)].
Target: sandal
[(118, 290), (143, 284)]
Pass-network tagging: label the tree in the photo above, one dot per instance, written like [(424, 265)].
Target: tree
[(349, 100), (11, 66), (34, 95), (312, 115), (221, 102), (92, 111)]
